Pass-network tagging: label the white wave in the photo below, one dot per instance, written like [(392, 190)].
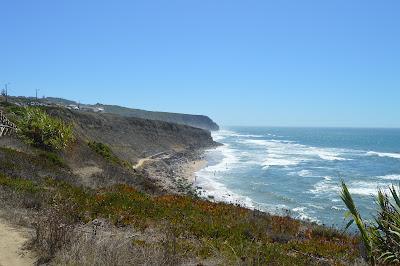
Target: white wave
[(315, 206), (325, 186), (271, 161), (365, 188), (246, 135), (390, 177), (299, 209), (304, 173), (229, 159), (338, 208), (361, 188), (259, 183), (209, 178), (289, 153), (211, 188), (302, 214), (223, 133), (384, 154), (328, 155)]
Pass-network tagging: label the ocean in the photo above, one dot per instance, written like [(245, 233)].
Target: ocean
[(298, 170)]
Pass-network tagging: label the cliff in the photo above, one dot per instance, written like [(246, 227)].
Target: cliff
[(199, 121), (132, 138)]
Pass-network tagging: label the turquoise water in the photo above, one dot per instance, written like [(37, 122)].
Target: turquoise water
[(299, 169)]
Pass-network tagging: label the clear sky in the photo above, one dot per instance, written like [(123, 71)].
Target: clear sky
[(287, 63)]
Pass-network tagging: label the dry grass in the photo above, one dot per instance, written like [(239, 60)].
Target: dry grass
[(111, 246), (53, 231)]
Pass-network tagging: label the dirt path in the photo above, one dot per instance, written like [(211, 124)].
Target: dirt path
[(12, 240), (158, 156), (141, 162)]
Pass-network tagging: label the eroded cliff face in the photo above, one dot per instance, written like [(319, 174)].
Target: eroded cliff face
[(132, 138), (199, 121)]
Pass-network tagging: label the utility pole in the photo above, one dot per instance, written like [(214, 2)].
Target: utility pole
[(6, 90)]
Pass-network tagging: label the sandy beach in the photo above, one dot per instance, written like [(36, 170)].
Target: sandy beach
[(190, 169)]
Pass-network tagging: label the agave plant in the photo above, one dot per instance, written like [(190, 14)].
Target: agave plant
[(356, 217), (386, 233), (39, 129), (381, 239)]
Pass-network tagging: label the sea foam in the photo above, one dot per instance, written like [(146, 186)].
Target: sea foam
[(384, 154), (289, 153), (389, 177)]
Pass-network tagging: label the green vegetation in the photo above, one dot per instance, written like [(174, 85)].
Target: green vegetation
[(39, 129), (53, 158), (13, 111), (105, 151), (19, 184), (201, 229), (382, 238)]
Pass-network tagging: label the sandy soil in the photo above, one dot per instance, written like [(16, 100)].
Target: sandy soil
[(12, 240), (190, 169)]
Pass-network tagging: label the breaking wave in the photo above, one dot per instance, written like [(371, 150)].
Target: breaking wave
[(384, 154), (289, 153)]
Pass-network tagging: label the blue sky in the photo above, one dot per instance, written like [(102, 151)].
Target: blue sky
[(282, 63)]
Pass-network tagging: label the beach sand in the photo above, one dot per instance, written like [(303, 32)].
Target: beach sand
[(191, 168)]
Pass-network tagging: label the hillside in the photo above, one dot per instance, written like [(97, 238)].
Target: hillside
[(132, 138), (199, 121), (126, 141), (89, 203)]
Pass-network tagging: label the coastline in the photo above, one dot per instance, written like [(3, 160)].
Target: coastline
[(190, 169), (175, 172)]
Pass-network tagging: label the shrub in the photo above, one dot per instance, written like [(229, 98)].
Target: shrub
[(53, 230), (381, 239), (105, 151), (39, 129), (53, 159), (14, 112), (18, 184)]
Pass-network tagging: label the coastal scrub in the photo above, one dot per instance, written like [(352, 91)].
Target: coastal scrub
[(201, 229), (41, 130)]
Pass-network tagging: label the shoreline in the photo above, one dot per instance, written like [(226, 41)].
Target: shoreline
[(176, 171), (191, 168)]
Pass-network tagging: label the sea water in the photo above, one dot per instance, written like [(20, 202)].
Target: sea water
[(298, 170)]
